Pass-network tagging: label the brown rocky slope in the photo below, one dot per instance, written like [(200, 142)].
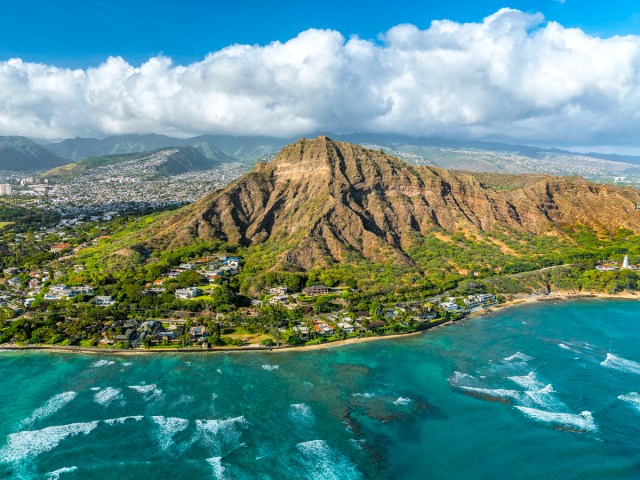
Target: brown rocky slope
[(322, 200)]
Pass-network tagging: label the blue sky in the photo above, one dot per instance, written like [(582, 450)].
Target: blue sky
[(550, 73), (83, 33)]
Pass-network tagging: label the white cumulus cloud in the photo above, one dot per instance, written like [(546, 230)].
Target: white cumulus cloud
[(512, 76)]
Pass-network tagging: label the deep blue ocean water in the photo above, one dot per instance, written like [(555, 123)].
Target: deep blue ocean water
[(540, 391)]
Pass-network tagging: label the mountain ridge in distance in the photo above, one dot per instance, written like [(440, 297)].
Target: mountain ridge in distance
[(159, 163), (21, 154)]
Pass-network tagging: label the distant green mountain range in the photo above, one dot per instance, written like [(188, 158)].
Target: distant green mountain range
[(247, 149), (159, 163), (21, 154)]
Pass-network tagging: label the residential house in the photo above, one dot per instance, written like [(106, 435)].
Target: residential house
[(58, 247), (188, 293), (346, 327), (315, 290), (279, 300), (302, 332), (104, 300), (281, 290), (376, 326)]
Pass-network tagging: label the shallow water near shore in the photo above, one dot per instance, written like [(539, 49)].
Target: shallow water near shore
[(543, 389)]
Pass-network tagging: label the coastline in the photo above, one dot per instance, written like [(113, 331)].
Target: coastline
[(518, 300)]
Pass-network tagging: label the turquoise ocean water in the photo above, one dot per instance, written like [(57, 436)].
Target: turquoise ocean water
[(540, 391)]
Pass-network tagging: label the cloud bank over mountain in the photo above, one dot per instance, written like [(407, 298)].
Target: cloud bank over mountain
[(512, 76)]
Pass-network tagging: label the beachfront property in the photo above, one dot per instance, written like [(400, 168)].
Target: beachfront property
[(346, 327)]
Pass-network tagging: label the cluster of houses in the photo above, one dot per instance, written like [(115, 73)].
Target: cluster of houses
[(214, 270), (280, 295), (469, 304), (137, 333), (63, 292), (21, 287)]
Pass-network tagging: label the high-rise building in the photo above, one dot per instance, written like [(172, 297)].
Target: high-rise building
[(5, 189)]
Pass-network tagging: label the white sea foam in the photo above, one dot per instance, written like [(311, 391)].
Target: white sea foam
[(106, 396), (270, 368), (621, 364), (121, 420), (183, 399), (364, 395), (55, 475), (323, 463), (459, 378), (143, 388), (301, 413), (545, 398), (217, 467), (150, 391), (127, 364), (219, 435), (518, 357), (564, 346), (358, 442), (402, 401), (582, 422), (530, 381), (167, 428), (95, 389), (50, 407), (102, 363), (31, 443), (633, 398)]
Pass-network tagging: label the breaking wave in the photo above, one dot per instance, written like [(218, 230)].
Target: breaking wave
[(582, 422), (402, 401), (621, 364), (102, 363), (301, 413), (564, 346), (323, 463), (221, 435), (633, 398), (50, 407), (106, 396), (121, 420), (270, 368), (55, 475), (364, 395), (518, 357), (149, 391), (167, 428), (530, 381), (31, 443), (217, 467)]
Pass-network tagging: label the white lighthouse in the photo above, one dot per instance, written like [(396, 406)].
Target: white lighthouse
[(625, 262)]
